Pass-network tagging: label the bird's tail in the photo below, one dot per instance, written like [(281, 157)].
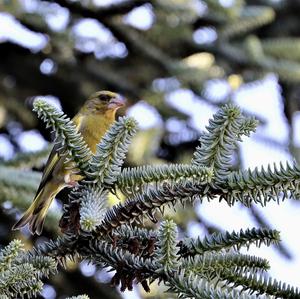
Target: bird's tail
[(36, 213)]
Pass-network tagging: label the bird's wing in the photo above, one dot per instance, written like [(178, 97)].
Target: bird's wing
[(55, 157)]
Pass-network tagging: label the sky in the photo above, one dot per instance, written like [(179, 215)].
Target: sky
[(262, 99)]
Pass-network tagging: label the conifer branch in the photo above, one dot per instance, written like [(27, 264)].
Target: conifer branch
[(152, 199), (251, 17), (193, 286), (60, 249), (283, 48), (217, 145), (20, 281), (287, 71), (20, 273), (106, 253), (131, 180), (220, 241), (111, 151), (93, 207), (30, 159), (70, 142), (166, 252), (262, 186), (261, 284), (19, 187), (211, 265), (43, 265), (137, 240), (222, 12), (9, 253), (129, 267), (146, 203), (16, 196), (21, 179), (128, 231), (105, 236)]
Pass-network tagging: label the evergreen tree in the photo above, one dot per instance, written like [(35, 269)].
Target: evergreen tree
[(187, 45), (114, 238)]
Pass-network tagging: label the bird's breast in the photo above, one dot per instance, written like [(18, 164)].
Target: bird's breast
[(93, 128)]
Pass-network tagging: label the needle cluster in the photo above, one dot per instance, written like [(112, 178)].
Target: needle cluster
[(113, 237)]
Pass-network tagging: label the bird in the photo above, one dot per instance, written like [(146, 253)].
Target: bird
[(92, 121)]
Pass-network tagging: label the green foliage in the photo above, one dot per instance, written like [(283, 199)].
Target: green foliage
[(218, 144), (250, 41), (148, 202), (166, 253), (21, 273), (262, 186), (286, 48), (211, 267), (111, 151), (24, 180), (220, 241), (29, 159), (9, 253), (132, 180), (230, 12), (250, 18), (261, 284), (93, 208), (19, 186), (190, 286)]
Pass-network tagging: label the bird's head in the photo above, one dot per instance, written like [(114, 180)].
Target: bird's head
[(104, 102)]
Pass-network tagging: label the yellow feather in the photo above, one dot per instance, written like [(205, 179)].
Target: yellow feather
[(92, 121)]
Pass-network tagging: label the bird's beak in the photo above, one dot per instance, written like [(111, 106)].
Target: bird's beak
[(117, 102)]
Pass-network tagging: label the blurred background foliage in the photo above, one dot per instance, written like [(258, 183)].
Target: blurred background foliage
[(155, 52)]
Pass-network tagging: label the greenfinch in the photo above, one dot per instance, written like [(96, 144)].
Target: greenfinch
[(92, 121)]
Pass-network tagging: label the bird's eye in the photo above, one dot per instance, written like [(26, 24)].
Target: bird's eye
[(104, 97)]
